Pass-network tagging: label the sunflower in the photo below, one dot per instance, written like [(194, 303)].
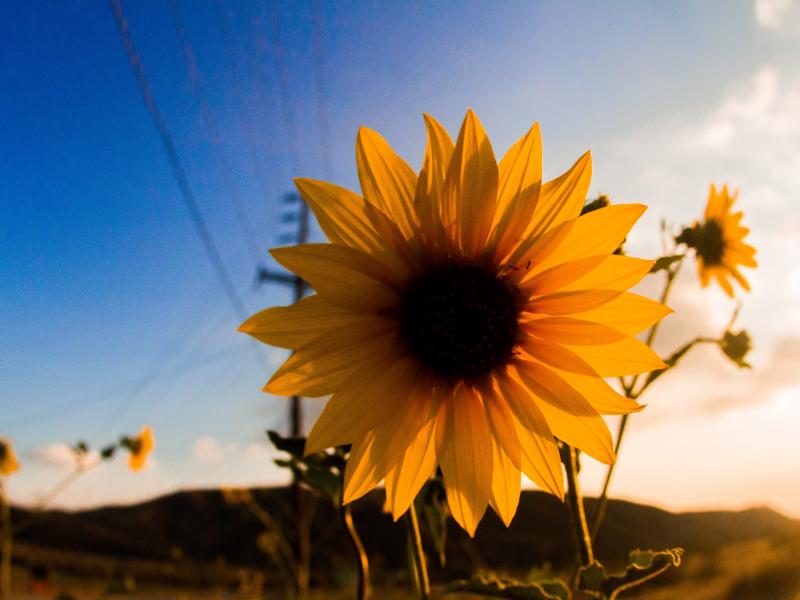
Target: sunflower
[(464, 318), (140, 448), (719, 242), (8, 460)]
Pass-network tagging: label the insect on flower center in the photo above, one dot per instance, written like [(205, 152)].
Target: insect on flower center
[(460, 321)]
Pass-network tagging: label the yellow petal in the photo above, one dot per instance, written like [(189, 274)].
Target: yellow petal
[(626, 357), (360, 473), (569, 415), (386, 180), (567, 330), (562, 198), (350, 221), (506, 485), (539, 454), (342, 276), (555, 355), (465, 459), (414, 468), (599, 232), (520, 182), (431, 179), (567, 303), (557, 277), (616, 272), (296, 325), (724, 283), (320, 366), (469, 193), (600, 395), (628, 313), (348, 416)]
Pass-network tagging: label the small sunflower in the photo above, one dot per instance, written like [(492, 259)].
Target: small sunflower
[(140, 448), (464, 317), (719, 242), (8, 460)]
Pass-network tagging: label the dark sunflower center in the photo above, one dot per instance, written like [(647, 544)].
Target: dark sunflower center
[(460, 321), (707, 239)]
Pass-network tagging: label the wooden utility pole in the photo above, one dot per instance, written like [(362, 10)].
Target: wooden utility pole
[(296, 211)]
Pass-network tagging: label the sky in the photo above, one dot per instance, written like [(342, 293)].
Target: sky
[(113, 315)]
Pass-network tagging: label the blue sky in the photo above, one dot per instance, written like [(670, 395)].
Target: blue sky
[(113, 317)]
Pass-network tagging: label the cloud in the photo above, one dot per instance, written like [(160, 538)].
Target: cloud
[(208, 449), (775, 14), (61, 456)]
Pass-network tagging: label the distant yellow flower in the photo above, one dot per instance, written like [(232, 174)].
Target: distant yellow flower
[(140, 447), (463, 318), (719, 242), (8, 460)]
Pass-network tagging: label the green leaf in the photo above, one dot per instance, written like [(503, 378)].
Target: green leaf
[(665, 262), (293, 445), (504, 587), (643, 565), (108, 452), (736, 346), (600, 202), (323, 481), (433, 505)]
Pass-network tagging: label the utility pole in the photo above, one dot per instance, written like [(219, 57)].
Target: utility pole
[(295, 210)]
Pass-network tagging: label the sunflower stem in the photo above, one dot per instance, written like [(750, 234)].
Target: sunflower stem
[(575, 500), (364, 591), (628, 389), (418, 554), (6, 539)]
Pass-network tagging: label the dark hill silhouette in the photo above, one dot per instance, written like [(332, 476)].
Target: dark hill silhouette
[(205, 528)]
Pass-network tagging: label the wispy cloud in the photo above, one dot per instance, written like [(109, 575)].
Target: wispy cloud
[(775, 14)]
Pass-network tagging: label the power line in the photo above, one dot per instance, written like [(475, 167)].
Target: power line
[(196, 82), (283, 85), (322, 93), (179, 172)]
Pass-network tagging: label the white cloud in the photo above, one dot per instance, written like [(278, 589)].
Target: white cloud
[(61, 456), (208, 449), (774, 14)]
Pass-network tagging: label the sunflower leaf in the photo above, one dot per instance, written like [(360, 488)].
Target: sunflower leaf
[(292, 445), (496, 586), (324, 482), (643, 565), (736, 346), (433, 505), (665, 262)]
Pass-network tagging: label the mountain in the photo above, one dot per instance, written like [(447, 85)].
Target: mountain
[(200, 527)]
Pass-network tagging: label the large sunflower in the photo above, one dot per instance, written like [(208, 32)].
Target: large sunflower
[(719, 242), (464, 318)]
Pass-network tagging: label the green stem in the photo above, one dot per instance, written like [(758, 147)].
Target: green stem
[(364, 591), (6, 540), (575, 501), (628, 389), (420, 562)]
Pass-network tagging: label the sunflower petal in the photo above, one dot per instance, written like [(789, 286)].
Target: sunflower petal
[(600, 395), (320, 366), (342, 276), (465, 463), (616, 272), (296, 325), (562, 198), (540, 460), (386, 179), (506, 485), (599, 232), (470, 187), (569, 415), (346, 417), (438, 153), (520, 181), (568, 303), (626, 357), (627, 313), (568, 330), (414, 468)]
